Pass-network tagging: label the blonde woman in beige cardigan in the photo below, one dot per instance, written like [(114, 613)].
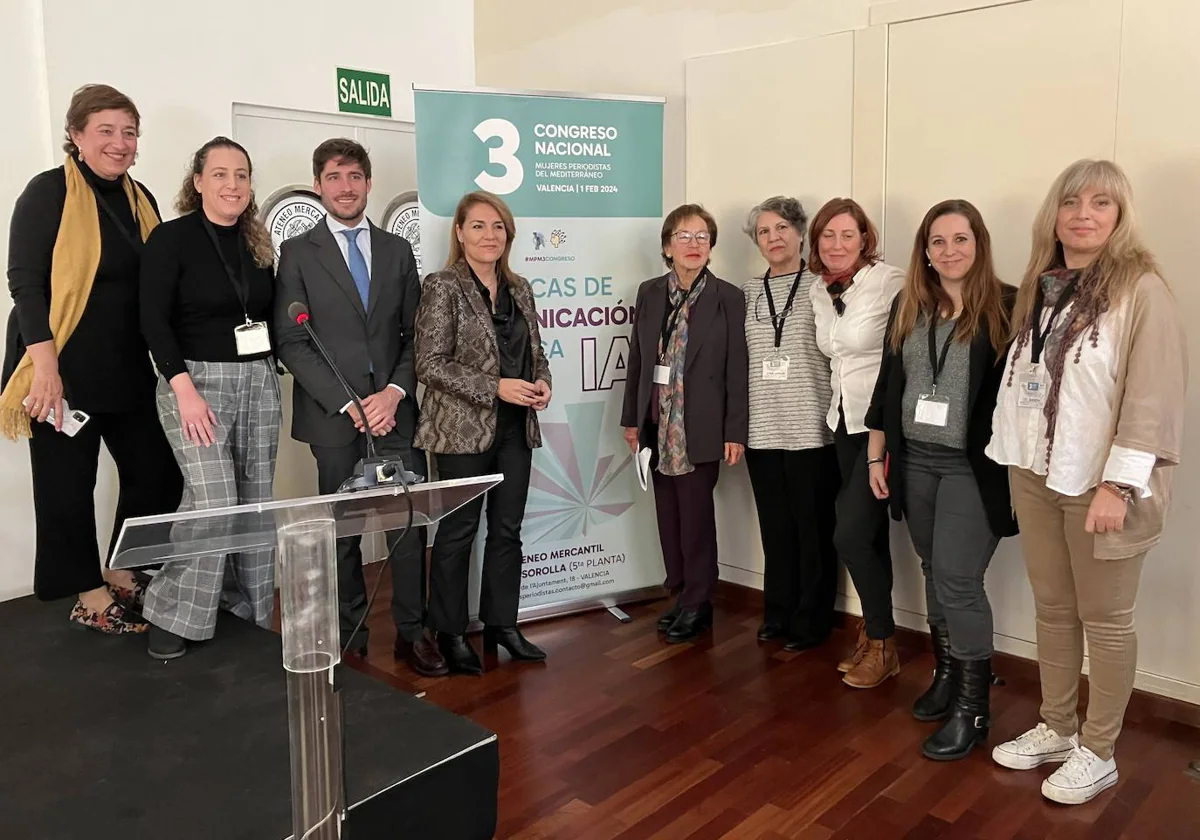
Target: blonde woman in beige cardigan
[(1089, 422)]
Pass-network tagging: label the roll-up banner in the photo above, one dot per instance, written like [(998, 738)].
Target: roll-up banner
[(582, 175)]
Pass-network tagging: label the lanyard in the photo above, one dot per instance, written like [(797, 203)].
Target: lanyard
[(1038, 339), (671, 317), (778, 320), (134, 241), (938, 363), (237, 278)]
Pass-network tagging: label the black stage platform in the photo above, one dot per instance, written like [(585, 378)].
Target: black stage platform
[(99, 740)]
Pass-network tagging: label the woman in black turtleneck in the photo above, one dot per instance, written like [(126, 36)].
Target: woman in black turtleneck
[(97, 361), (206, 293)]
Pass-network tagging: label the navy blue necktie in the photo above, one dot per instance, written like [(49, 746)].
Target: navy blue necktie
[(358, 265)]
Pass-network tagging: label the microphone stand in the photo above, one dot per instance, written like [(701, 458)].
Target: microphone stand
[(373, 470)]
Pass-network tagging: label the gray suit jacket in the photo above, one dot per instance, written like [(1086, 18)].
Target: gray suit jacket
[(378, 338)]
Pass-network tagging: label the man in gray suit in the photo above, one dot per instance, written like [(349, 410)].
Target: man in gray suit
[(361, 287)]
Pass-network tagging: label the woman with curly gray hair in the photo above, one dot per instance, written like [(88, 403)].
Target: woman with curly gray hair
[(792, 463)]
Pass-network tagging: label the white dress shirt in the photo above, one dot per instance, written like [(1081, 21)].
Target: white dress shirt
[(854, 341), (364, 245), (363, 242), (1084, 453)]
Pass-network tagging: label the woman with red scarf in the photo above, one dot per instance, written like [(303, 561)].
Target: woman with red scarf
[(851, 299)]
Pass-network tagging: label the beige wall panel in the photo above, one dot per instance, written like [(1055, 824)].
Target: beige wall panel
[(1158, 144), (747, 139)]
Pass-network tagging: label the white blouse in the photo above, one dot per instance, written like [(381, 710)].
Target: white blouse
[(854, 341), (1084, 454)]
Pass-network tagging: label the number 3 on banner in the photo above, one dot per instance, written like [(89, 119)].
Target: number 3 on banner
[(502, 155)]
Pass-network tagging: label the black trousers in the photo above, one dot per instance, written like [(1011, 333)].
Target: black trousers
[(64, 492), (795, 493), (334, 465), (687, 531), (862, 534), (450, 562)]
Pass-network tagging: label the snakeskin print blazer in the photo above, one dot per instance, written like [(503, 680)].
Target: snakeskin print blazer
[(459, 363)]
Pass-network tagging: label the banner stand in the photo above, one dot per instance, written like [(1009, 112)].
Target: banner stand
[(582, 174)]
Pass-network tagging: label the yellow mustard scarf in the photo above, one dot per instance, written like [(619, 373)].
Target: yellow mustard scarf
[(72, 272)]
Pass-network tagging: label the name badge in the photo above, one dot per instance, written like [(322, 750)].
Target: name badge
[(1032, 387), (775, 369), (662, 375), (933, 410), (252, 338)]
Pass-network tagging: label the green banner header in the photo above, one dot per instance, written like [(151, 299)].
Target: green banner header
[(546, 156)]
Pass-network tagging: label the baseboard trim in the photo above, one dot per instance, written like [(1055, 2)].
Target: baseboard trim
[(1172, 698)]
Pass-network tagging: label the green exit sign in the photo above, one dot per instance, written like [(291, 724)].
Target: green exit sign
[(360, 92)]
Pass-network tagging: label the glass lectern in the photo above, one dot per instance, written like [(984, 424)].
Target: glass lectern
[(304, 531)]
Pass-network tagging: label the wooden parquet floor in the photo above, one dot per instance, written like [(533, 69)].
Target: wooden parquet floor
[(620, 736)]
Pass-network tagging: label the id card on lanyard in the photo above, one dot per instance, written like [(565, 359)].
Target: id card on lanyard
[(252, 338), (775, 367), (933, 410), (1033, 382), (662, 371)]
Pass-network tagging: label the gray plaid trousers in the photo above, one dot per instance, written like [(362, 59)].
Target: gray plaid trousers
[(239, 468)]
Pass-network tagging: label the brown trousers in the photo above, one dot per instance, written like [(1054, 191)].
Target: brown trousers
[(1077, 595)]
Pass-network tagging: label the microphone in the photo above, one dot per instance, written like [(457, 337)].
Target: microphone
[(372, 470), (298, 312)]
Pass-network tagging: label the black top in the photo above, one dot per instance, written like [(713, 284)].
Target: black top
[(104, 365), (986, 374), (190, 306), (512, 333)]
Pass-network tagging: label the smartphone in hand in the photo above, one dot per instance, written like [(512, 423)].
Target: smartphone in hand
[(73, 419)]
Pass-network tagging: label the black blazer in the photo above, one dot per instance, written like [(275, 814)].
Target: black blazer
[(986, 377), (715, 378), (379, 338)]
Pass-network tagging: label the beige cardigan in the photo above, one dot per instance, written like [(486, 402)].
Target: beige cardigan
[(1150, 398)]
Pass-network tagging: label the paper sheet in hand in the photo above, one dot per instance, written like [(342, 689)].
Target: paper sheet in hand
[(643, 466)]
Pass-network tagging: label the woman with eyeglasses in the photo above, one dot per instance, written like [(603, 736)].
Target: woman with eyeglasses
[(686, 401), (851, 299), (791, 458)]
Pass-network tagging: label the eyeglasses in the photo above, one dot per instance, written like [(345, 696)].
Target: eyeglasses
[(686, 236)]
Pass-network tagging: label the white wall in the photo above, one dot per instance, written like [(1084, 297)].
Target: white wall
[(27, 150), (947, 97), (185, 67)]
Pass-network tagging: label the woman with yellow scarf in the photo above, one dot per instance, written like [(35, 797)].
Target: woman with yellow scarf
[(75, 350)]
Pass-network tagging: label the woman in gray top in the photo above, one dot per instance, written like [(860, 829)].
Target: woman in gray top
[(930, 420), (792, 463)]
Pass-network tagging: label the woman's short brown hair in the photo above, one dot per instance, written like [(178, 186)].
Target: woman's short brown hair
[(833, 208), (92, 99), (686, 211)]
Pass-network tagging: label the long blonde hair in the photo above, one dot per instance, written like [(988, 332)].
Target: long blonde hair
[(1122, 261), (510, 229), (258, 238), (983, 305)]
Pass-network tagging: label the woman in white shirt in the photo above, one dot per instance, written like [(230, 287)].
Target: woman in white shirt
[(1089, 422), (851, 297)]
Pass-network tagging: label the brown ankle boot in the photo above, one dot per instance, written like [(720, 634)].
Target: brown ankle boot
[(878, 663), (860, 648)]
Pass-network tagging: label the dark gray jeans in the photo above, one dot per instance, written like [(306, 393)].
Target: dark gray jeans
[(950, 531)]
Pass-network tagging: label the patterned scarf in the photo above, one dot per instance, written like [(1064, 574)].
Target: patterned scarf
[(672, 441), (1082, 314), (838, 284)]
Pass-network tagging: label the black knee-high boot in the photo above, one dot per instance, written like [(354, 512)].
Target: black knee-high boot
[(969, 719), (934, 704)]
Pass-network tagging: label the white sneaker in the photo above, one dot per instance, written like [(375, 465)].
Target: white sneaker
[(1040, 745), (1079, 780)]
